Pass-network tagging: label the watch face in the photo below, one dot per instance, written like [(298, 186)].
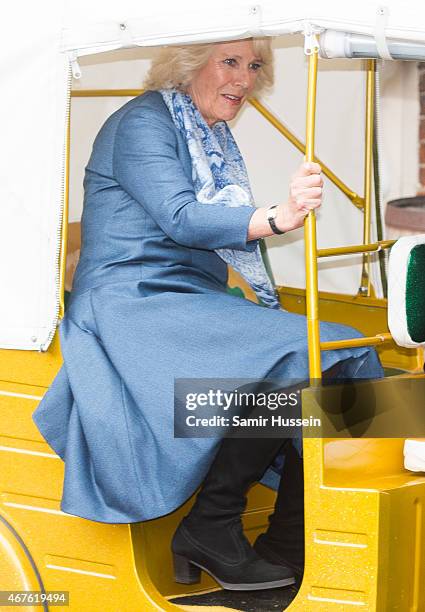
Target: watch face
[(271, 216), (271, 213)]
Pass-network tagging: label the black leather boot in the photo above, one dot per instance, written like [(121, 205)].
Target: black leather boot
[(211, 537), (283, 542)]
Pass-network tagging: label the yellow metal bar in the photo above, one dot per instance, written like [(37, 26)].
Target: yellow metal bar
[(105, 93), (356, 248), (357, 200), (312, 293), (64, 240), (352, 342), (365, 286)]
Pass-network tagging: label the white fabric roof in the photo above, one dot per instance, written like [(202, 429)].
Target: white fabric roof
[(98, 25), (36, 39)]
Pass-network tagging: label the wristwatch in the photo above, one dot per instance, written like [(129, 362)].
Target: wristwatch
[(271, 214)]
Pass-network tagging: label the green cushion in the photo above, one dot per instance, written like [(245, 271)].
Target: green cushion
[(406, 291), (415, 293)]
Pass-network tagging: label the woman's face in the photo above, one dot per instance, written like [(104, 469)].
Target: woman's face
[(221, 86)]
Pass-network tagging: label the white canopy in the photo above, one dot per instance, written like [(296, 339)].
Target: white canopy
[(37, 49), (97, 25)]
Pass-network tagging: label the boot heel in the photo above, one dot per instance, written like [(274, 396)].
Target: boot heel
[(184, 571)]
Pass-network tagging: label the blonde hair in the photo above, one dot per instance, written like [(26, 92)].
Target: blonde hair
[(175, 66)]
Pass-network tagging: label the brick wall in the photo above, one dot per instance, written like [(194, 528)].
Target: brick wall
[(422, 128)]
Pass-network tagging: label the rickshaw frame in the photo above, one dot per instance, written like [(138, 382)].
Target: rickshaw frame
[(357, 539)]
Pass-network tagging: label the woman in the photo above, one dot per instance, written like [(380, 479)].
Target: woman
[(167, 206)]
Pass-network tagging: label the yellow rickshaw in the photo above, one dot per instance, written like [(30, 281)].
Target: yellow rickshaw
[(365, 525)]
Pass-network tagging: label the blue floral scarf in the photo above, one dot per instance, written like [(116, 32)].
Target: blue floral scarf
[(220, 177)]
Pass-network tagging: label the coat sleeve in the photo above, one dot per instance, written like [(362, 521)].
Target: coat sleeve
[(146, 165)]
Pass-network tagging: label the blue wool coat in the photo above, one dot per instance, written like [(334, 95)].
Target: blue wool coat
[(149, 304)]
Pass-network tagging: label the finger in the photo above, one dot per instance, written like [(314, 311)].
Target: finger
[(313, 193), (304, 182), (313, 180), (314, 167), (311, 205), (308, 168)]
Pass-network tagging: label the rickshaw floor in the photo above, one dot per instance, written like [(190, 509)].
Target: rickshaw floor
[(269, 600)]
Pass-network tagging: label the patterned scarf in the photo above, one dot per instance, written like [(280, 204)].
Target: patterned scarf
[(220, 177)]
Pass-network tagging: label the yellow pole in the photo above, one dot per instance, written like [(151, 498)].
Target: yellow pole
[(356, 248), (312, 292), (352, 342), (64, 241), (366, 287), (106, 93)]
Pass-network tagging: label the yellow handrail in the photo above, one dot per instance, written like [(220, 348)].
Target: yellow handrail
[(356, 248), (365, 283), (311, 252), (353, 342), (312, 291), (106, 93), (64, 231)]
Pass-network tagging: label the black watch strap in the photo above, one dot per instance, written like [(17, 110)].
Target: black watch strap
[(271, 216)]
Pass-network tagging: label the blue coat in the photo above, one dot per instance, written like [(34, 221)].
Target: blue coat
[(149, 304)]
